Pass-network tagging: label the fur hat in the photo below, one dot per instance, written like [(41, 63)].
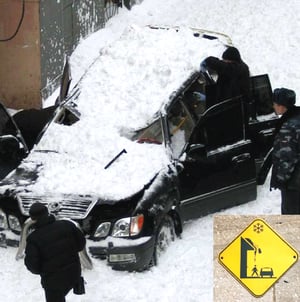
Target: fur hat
[(232, 54), (284, 97), (38, 210)]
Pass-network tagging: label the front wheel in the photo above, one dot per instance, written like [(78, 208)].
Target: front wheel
[(165, 235)]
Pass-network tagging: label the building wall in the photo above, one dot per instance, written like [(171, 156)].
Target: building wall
[(63, 24), (31, 62), (20, 74)]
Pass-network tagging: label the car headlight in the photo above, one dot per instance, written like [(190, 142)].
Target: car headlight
[(102, 230), (14, 223), (129, 226), (3, 220)]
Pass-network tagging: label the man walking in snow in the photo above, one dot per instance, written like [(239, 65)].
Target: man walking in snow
[(286, 151), (52, 252)]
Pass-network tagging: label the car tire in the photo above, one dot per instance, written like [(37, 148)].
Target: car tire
[(165, 235)]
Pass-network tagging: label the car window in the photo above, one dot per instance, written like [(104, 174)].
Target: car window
[(194, 97), (261, 94), (3, 120), (222, 124), (180, 126), (151, 134)]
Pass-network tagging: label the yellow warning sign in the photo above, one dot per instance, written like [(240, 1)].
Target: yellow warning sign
[(258, 257)]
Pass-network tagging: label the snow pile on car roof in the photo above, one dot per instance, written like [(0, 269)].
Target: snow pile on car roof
[(125, 87), (136, 75)]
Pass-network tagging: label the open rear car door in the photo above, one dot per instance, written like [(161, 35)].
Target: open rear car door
[(13, 147)]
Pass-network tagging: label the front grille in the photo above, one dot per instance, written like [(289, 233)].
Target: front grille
[(61, 206)]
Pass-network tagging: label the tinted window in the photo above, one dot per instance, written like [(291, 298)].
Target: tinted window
[(222, 124), (261, 93)]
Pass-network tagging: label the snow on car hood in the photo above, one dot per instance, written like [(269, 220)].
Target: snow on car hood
[(131, 80)]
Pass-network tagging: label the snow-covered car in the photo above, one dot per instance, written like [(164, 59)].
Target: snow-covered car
[(131, 153)]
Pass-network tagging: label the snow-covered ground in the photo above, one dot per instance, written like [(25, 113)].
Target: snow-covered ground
[(266, 32)]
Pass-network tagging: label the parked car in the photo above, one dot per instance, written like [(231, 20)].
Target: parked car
[(187, 160)]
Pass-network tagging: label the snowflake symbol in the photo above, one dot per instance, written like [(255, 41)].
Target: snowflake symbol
[(258, 228)]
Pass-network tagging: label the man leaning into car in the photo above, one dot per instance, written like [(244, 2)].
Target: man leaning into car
[(233, 74)]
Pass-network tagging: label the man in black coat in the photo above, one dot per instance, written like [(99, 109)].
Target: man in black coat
[(52, 252), (233, 75), (286, 151)]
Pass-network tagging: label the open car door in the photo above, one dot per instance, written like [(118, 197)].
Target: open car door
[(65, 82), (13, 147), (219, 168)]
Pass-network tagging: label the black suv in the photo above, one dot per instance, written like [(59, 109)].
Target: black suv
[(216, 154)]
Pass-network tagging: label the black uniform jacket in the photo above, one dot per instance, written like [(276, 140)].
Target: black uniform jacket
[(52, 252)]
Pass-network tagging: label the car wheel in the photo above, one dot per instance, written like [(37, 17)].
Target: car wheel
[(165, 235)]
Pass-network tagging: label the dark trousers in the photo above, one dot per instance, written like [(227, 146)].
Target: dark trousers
[(56, 295), (290, 202)]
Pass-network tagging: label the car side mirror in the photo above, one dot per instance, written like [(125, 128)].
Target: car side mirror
[(196, 151), (9, 147)]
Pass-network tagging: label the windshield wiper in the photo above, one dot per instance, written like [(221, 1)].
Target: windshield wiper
[(115, 158)]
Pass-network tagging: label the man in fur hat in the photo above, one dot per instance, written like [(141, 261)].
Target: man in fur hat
[(286, 152), (52, 252), (233, 75)]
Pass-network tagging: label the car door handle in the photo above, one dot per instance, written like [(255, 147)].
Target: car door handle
[(267, 132), (241, 158)]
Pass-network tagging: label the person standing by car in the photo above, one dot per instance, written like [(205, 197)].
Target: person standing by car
[(286, 151), (52, 252), (233, 75)]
